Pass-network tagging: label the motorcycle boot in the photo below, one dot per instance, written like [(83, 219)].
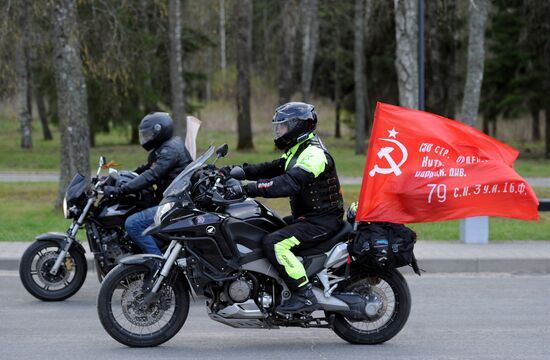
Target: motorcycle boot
[(302, 299)]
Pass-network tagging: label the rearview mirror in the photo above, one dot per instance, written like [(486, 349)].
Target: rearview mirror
[(222, 150)]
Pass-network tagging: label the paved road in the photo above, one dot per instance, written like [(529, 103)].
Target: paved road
[(453, 317)]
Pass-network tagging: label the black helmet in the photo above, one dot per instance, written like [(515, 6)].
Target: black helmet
[(292, 123), (155, 128)]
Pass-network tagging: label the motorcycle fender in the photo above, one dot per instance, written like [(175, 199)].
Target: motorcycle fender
[(59, 238), (148, 260)]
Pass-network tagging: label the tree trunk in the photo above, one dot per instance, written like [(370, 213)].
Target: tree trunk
[(288, 43), (42, 114), (72, 96), (134, 136), (23, 72), (547, 130), (176, 67), (476, 58), (309, 46), (406, 59), (147, 104), (243, 13), (535, 126), (222, 47), (441, 56), (486, 125), (359, 76)]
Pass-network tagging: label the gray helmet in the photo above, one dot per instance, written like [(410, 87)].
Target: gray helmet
[(155, 128), (292, 123)]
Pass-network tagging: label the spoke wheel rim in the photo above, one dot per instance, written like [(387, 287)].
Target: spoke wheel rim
[(41, 265), (128, 313), (376, 290)]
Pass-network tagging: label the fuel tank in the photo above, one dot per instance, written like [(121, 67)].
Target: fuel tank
[(115, 214)]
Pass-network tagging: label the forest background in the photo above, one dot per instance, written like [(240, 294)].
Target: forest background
[(76, 77)]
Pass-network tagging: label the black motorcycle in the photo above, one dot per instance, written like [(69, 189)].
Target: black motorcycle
[(54, 267), (215, 251)]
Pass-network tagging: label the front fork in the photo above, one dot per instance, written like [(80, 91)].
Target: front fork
[(169, 257), (71, 235)]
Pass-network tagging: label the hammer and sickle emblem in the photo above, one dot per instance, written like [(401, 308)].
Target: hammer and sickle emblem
[(385, 153)]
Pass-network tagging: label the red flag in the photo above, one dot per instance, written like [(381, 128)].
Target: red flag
[(423, 167)]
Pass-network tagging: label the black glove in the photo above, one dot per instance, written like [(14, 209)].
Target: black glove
[(251, 189), (233, 189), (113, 191), (225, 171)]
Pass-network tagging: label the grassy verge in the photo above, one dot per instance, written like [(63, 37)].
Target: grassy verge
[(44, 156), (27, 211)]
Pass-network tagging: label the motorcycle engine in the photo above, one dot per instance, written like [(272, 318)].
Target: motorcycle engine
[(110, 244), (240, 290)]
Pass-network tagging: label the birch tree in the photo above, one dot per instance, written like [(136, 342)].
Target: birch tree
[(72, 95), (176, 66), (476, 58), (406, 53)]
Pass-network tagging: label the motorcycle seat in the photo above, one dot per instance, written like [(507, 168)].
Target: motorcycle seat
[(322, 248)]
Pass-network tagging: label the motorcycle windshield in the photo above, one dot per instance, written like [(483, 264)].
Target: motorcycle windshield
[(75, 188), (181, 182)]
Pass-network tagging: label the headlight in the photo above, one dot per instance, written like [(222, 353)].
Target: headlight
[(65, 209), (161, 210)]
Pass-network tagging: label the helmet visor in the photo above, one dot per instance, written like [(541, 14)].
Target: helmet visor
[(281, 128), (146, 135)]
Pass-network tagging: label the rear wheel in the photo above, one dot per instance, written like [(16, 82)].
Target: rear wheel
[(35, 266), (389, 305), (123, 314)]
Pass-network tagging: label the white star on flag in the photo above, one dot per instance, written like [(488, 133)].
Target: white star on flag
[(392, 133)]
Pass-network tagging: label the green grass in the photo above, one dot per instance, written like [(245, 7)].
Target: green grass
[(27, 210), (45, 155)]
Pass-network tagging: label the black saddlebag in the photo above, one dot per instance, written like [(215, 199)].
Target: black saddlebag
[(383, 245)]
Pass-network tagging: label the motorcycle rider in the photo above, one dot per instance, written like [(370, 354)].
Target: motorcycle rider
[(306, 172), (167, 158)]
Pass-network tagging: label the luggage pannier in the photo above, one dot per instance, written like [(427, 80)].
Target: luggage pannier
[(383, 245)]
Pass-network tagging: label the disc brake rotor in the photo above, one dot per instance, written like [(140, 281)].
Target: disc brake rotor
[(44, 265), (377, 303), (375, 297), (135, 311)]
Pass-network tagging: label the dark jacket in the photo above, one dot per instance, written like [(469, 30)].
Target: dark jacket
[(307, 174), (163, 165)]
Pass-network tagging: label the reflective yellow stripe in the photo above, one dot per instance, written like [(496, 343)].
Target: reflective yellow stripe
[(288, 260), (290, 153)]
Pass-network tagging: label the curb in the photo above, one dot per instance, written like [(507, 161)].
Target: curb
[(476, 266)]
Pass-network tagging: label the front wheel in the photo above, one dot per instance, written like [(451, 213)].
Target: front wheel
[(35, 266), (123, 314), (389, 304)]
